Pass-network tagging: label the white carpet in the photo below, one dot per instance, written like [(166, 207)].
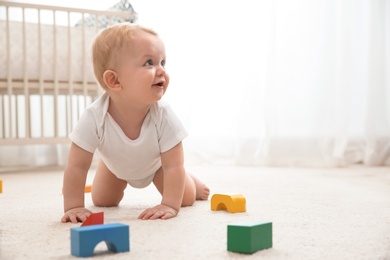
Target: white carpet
[(316, 214)]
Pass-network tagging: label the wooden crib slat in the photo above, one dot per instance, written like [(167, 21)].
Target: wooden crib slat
[(55, 101), (3, 122), (9, 77), (84, 61), (16, 118), (40, 75), (70, 75), (26, 94)]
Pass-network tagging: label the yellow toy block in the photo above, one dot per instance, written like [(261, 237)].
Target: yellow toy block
[(231, 202), (1, 186)]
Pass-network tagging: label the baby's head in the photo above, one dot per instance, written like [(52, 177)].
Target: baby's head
[(109, 43)]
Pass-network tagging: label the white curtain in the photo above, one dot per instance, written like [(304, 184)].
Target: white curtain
[(277, 83)]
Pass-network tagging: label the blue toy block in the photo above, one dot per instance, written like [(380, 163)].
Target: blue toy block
[(249, 237), (84, 239)]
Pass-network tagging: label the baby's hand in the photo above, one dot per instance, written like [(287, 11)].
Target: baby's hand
[(76, 215), (159, 211)]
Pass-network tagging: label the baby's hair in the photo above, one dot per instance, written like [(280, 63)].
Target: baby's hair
[(107, 44)]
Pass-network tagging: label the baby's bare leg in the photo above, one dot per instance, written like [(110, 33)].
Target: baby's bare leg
[(107, 189), (202, 191), (194, 189)]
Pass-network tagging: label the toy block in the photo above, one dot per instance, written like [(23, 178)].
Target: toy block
[(88, 188), (94, 219), (231, 202), (84, 239), (248, 238), (1, 186)]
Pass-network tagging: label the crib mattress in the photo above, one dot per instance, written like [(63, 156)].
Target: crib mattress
[(63, 54)]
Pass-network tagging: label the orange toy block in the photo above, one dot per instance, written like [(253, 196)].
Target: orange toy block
[(88, 188), (233, 203), (94, 219), (1, 186)]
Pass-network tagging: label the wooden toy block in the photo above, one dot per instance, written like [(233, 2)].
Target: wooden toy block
[(1, 186), (248, 238), (231, 202), (84, 239), (94, 219)]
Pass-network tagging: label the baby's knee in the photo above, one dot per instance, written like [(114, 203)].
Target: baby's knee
[(188, 199), (105, 204), (104, 201)]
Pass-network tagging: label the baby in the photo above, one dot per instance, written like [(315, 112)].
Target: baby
[(138, 136)]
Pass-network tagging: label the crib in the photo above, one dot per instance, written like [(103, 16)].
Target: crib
[(46, 75)]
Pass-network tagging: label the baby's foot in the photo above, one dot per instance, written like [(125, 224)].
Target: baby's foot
[(202, 191)]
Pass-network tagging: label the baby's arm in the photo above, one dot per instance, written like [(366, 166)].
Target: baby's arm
[(75, 176), (173, 185)]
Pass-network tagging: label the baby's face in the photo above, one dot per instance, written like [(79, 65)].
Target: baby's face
[(142, 68)]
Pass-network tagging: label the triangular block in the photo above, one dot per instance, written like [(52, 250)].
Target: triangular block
[(94, 219)]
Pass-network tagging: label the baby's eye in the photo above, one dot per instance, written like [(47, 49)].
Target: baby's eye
[(163, 63), (149, 63)]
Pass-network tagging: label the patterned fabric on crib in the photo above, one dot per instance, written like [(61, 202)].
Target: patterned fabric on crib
[(104, 21)]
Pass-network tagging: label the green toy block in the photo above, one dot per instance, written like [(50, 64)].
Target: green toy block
[(248, 238)]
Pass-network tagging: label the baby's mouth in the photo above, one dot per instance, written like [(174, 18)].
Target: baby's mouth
[(159, 84)]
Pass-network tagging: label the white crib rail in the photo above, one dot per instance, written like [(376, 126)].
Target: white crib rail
[(21, 122)]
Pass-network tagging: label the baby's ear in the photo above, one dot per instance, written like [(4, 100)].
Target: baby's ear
[(110, 77)]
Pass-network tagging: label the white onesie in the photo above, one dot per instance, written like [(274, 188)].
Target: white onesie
[(135, 161)]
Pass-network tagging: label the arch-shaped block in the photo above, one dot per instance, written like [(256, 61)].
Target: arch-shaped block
[(231, 202), (84, 239)]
